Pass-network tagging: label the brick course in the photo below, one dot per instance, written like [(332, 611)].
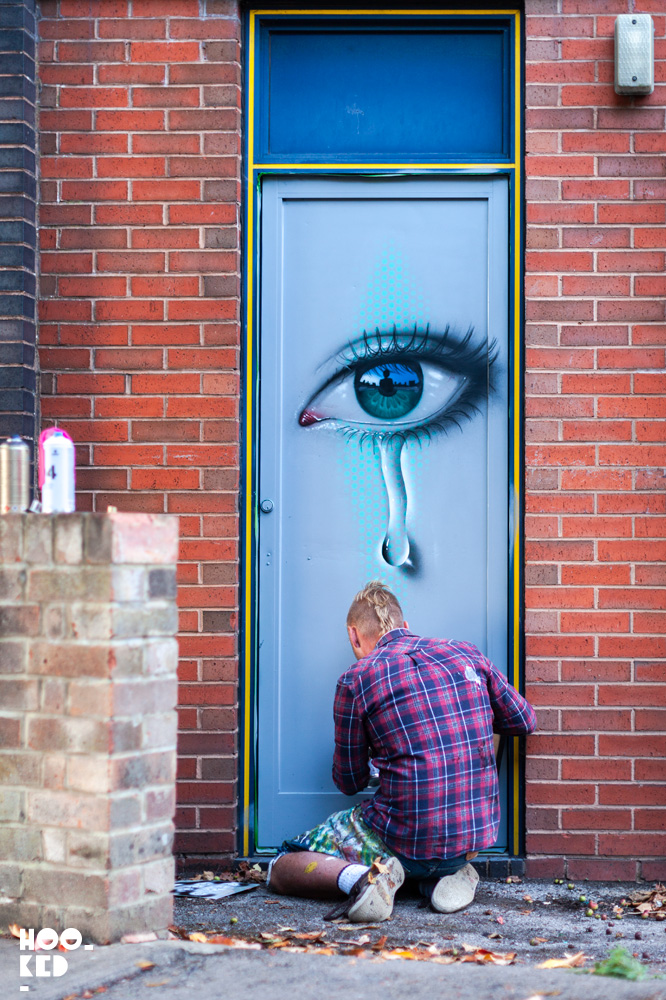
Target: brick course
[(595, 339), (139, 342), (139, 331), (88, 726)]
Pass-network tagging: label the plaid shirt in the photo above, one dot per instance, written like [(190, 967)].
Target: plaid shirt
[(425, 710)]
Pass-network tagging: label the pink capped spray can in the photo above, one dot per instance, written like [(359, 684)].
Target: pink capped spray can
[(56, 471)]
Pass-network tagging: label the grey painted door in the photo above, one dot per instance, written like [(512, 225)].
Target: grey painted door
[(383, 444)]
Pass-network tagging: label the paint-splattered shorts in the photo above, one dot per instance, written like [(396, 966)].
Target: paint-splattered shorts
[(346, 835), (343, 835)]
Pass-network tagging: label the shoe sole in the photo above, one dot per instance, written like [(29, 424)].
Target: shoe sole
[(455, 892), (375, 903)]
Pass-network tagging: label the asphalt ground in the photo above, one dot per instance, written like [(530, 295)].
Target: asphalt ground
[(179, 969)]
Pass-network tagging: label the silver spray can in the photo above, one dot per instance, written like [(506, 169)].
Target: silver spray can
[(56, 472), (14, 476)]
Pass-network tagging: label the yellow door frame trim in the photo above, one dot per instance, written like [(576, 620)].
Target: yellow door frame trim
[(254, 170)]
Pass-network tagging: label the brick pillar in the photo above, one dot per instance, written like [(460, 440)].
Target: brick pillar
[(595, 530), (18, 235), (87, 721)]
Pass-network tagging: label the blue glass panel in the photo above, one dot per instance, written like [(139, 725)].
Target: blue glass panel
[(415, 94)]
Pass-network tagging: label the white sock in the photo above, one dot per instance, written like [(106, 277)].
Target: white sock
[(349, 876)]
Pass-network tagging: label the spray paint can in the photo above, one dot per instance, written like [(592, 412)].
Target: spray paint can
[(14, 476), (56, 471)]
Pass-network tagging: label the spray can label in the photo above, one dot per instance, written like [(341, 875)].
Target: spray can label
[(14, 476), (56, 471)]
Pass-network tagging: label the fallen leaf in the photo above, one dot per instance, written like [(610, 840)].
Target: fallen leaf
[(311, 936), (272, 940), (352, 927), (482, 956), (219, 939), (232, 942), (568, 962), (528, 899), (621, 965), (15, 930), (198, 937), (500, 920), (538, 940), (640, 897), (144, 964), (364, 939), (379, 943), (162, 982), (495, 934), (208, 876), (178, 932), (525, 913)]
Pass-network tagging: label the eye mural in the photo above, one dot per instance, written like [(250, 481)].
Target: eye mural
[(393, 388)]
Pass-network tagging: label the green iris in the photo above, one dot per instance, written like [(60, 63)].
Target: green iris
[(389, 391)]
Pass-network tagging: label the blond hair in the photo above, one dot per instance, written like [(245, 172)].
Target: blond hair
[(375, 610)]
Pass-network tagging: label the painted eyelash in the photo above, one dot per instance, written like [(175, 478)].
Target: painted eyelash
[(427, 344), (476, 363)]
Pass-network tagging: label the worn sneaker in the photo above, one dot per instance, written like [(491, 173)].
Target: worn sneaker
[(371, 897), (454, 892)]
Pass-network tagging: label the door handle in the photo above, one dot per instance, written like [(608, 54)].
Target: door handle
[(266, 506)]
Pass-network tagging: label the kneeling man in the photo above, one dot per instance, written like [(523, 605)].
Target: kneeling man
[(424, 712)]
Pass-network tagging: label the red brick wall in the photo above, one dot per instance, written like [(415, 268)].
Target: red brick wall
[(595, 450), (139, 339)]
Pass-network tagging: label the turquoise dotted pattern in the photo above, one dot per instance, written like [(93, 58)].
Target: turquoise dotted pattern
[(390, 300)]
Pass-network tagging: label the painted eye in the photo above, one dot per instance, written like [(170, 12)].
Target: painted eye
[(389, 391), (392, 388), (396, 395), (407, 384)]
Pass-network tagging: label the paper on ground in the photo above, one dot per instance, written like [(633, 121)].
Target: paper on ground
[(210, 890)]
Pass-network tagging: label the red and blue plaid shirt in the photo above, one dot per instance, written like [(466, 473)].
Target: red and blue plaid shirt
[(425, 711)]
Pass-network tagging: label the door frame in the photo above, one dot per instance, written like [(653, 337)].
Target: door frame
[(254, 171)]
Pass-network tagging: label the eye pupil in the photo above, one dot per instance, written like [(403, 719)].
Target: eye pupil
[(389, 391), (387, 386)]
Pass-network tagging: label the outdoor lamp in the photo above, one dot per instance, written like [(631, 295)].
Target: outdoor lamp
[(634, 54)]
